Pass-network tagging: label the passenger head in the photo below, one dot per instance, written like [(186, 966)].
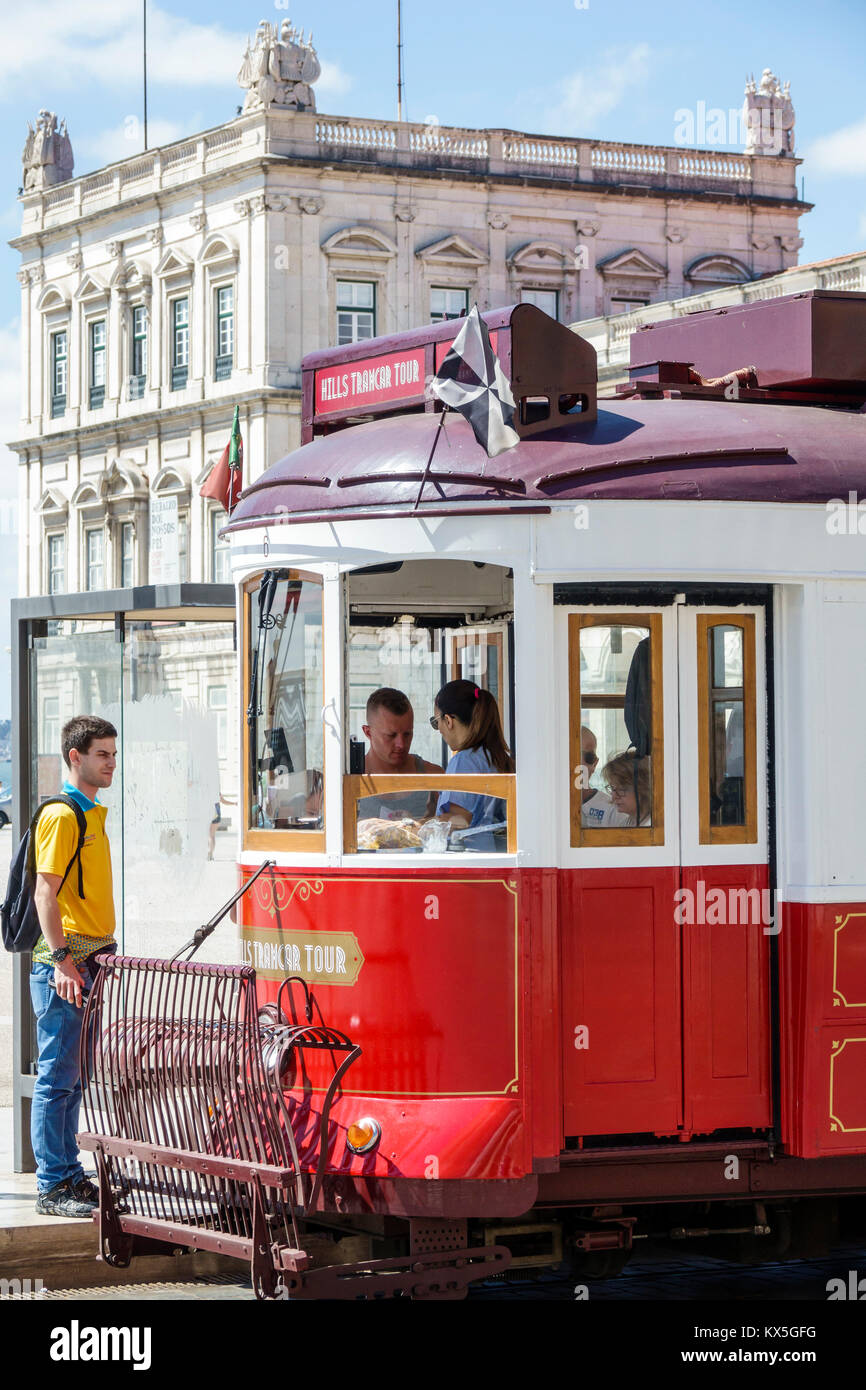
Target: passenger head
[(89, 748), (467, 716), (619, 775), (390, 725)]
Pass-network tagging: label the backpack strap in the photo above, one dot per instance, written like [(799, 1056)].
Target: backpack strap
[(61, 799)]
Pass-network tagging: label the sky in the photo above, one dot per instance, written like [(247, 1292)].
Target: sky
[(616, 69)]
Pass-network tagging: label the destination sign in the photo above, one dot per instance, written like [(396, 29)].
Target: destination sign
[(355, 385), (321, 958)]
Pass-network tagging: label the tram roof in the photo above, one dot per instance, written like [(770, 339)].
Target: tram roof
[(686, 449)]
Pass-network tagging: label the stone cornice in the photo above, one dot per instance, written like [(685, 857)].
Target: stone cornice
[(597, 189), (164, 419)]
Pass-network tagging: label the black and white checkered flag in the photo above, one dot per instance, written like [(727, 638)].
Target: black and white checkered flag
[(471, 380)]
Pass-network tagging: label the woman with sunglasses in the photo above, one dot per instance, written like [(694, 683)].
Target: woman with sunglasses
[(467, 717)]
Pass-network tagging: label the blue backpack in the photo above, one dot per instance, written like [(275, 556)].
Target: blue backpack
[(21, 929)]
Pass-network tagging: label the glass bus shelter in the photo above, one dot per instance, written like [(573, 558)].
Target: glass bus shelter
[(161, 664)]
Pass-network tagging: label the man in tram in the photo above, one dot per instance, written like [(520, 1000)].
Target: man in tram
[(597, 810), (389, 729)]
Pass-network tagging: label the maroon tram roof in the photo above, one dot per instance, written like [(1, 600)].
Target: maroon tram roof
[(646, 449)]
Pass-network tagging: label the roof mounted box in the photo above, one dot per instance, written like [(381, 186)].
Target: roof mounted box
[(552, 371), (807, 342)]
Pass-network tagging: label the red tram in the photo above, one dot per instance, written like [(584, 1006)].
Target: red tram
[(436, 1061)]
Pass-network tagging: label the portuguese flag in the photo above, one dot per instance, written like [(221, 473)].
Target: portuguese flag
[(225, 480)]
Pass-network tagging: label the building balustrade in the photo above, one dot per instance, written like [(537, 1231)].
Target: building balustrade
[(311, 136)]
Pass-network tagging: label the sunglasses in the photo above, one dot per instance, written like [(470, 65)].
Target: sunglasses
[(434, 721), (586, 757)]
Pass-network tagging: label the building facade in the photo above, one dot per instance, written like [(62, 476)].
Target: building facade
[(162, 291)]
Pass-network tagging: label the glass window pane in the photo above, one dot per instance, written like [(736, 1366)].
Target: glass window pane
[(355, 294), (56, 564), (95, 552), (727, 656), (183, 547), (286, 733), (447, 304), (220, 550), (127, 555), (615, 785), (727, 784), (459, 820), (181, 333), (139, 340), (546, 300)]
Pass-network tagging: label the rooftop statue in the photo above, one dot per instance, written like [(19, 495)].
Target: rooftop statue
[(279, 69), (47, 155), (768, 116)]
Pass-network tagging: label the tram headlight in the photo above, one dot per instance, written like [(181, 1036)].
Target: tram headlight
[(363, 1135)]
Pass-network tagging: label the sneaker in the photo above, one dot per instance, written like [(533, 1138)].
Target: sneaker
[(62, 1201), (85, 1190)]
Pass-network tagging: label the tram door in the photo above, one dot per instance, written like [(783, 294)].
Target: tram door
[(665, 914)]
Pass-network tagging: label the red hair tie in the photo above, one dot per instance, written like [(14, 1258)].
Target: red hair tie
[(476, 692)]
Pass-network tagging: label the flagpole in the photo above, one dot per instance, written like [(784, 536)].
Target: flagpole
[(144, 63), (399, 61), (430, 459)]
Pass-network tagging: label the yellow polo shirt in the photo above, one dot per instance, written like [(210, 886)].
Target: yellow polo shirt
[(91, 918)]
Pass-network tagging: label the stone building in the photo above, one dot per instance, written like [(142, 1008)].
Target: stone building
[(163, 290)]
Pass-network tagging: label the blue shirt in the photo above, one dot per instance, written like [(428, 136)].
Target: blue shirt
[(484, 810)]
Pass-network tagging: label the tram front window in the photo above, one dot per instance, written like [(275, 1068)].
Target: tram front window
[(418, 780), (285, 702)]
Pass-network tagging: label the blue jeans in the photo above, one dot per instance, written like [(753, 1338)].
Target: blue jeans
[(57, 1092)]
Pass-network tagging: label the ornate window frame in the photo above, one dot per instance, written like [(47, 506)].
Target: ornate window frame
[(363, 253)]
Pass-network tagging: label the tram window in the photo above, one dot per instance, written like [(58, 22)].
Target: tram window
[(726, 729), (411, 633), (615, 729), (284, 771)]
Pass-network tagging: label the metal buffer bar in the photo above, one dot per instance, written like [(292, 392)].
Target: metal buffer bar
[(185, 1107)]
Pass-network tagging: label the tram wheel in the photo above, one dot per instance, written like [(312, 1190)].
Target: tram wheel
[(598, 1264)]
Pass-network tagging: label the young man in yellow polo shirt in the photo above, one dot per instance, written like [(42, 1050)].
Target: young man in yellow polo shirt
[(74, 930)]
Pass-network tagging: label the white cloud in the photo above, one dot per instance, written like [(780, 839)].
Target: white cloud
[(99, 41), (128, 139), (842, 152), (581, 100), (333, 81)]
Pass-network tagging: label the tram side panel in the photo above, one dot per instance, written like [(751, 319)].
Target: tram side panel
[(429, 973), (822, 944)]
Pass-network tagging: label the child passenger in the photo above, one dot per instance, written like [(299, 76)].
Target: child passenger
[(629, 780)]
